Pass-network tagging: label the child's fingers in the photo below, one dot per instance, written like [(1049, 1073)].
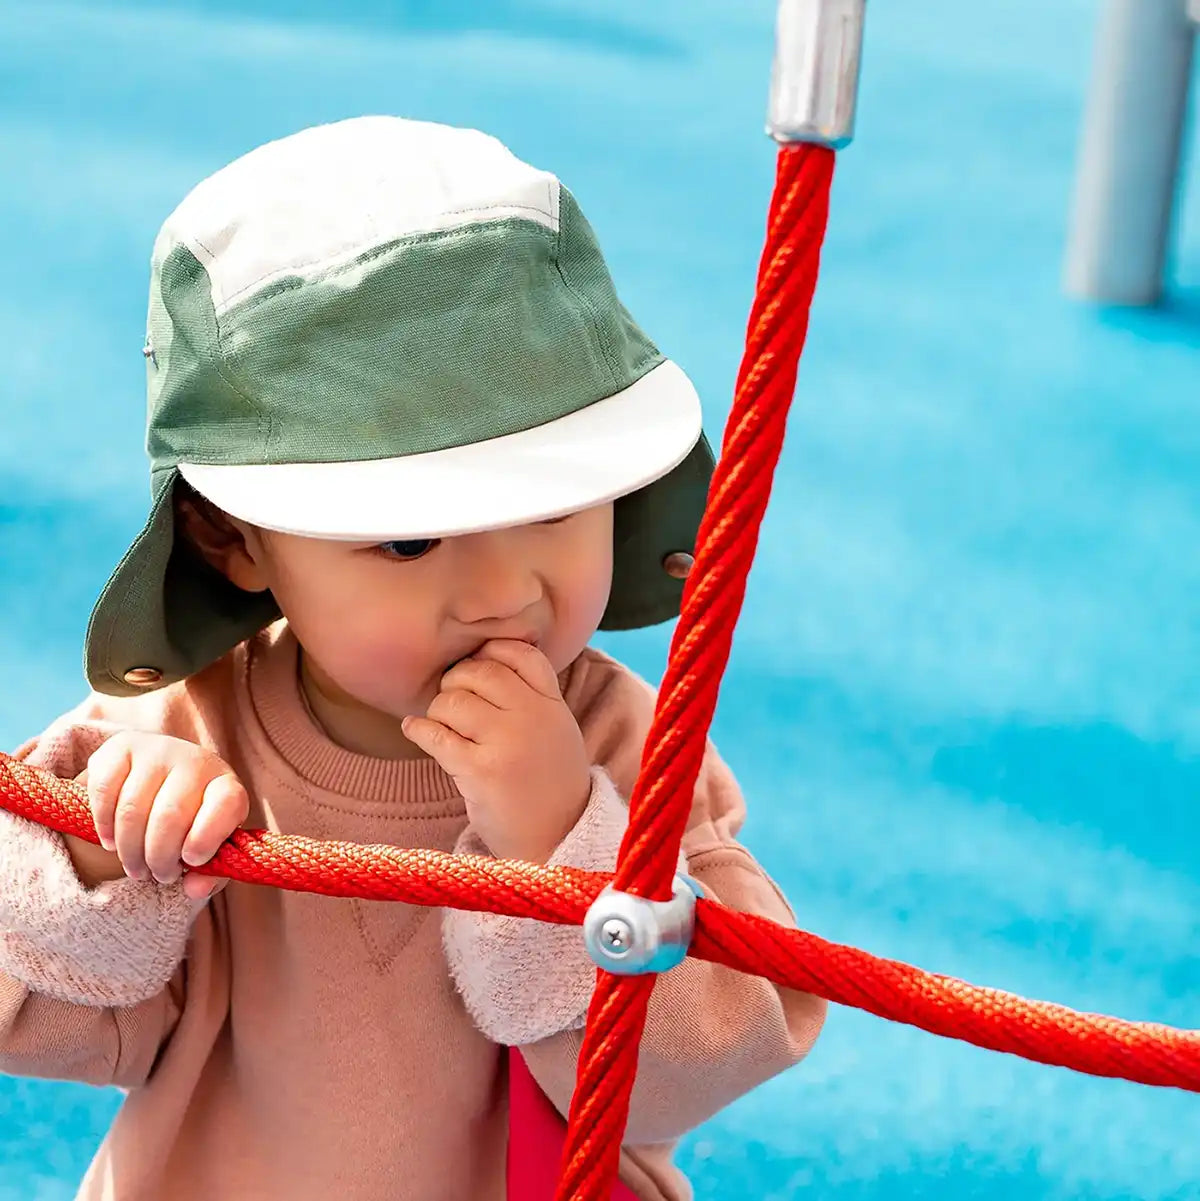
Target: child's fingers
[(133, 810), (451, 750), (466, 713), (171, 816), (105, 776), (200, 888), (527, 661), (496, 682), (224, 807)]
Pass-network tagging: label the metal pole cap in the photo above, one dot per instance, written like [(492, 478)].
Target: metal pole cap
[(814, 81)]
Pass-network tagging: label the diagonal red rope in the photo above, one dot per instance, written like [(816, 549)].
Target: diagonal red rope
[(712, 601), (728, 534), (1104, 1046)]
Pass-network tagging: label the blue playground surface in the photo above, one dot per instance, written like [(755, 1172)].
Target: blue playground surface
[(963, 699)]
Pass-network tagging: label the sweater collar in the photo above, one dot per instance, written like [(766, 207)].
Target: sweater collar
[(273, 671)]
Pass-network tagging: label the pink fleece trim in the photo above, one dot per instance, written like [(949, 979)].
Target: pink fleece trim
[(524, 980), (114, 945)]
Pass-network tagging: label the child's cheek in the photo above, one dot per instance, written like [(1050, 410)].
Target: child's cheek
[(371, 653), (579, 608), (391, 676)]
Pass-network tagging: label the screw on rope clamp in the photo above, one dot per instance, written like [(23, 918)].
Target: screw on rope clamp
[(633, 936), (814, 80)]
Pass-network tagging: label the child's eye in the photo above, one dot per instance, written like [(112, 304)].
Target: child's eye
[(407, 548)]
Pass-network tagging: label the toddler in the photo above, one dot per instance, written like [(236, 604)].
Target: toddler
[(408, 453)]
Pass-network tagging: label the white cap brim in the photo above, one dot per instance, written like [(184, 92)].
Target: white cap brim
[(597, 454)]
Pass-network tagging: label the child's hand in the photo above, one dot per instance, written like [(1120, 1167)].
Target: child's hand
[(500, 727), (160, 805)]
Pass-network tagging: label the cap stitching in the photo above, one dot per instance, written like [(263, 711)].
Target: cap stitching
[(265, 424), (219, 365), (290, 285), (601, 343), (365, 254)]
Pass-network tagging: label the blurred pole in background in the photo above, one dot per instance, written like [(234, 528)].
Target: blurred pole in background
[(1129, 156)]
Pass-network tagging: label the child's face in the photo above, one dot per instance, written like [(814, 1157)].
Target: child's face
[(381, 624)]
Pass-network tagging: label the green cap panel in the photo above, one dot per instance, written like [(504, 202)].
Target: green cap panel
[(433, 341), (165, 608)]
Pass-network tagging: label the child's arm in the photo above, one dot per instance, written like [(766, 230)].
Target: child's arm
[(71, 1008), (712, 1034), (90, 979)]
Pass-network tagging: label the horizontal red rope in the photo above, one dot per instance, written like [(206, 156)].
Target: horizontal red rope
[(1102, 1046), (336, 869)]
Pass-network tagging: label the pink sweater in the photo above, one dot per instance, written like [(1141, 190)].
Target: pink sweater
[(276, 1044)]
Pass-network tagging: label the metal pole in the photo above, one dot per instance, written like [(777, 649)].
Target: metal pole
[(1129, 158)]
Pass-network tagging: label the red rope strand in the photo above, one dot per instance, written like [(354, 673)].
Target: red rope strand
[(712, 601), (1101, 1046)]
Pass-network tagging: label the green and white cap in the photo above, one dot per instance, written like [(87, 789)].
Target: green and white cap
[(382, 329)]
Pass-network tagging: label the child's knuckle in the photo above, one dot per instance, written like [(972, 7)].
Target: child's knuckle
[(176, 810), (492, 672), (143, 745), (188, 754), (495, 759), (127, 815), (198, 765), (236, 797), (531, 658), (104, 760), (101, 785)]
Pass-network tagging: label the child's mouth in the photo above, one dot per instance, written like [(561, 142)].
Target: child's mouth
[(475, 650)]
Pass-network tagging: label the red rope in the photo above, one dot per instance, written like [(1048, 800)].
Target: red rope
[(1104, 1046), (1101, 1046), (687, 697)]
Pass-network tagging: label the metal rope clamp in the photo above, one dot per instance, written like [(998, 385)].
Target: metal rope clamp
[(633, 936)]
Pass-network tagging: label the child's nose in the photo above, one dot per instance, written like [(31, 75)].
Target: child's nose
[(498, 585)]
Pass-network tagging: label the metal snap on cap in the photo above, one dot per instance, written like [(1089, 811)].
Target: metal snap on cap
[(677, 564), (140, 677)]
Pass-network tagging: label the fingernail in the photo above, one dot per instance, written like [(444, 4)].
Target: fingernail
[(191, 858)]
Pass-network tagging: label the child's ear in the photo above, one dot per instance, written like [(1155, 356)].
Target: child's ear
[(229, 545)]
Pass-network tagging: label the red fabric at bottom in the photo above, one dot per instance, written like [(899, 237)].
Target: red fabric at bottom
[(536, 1135)]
